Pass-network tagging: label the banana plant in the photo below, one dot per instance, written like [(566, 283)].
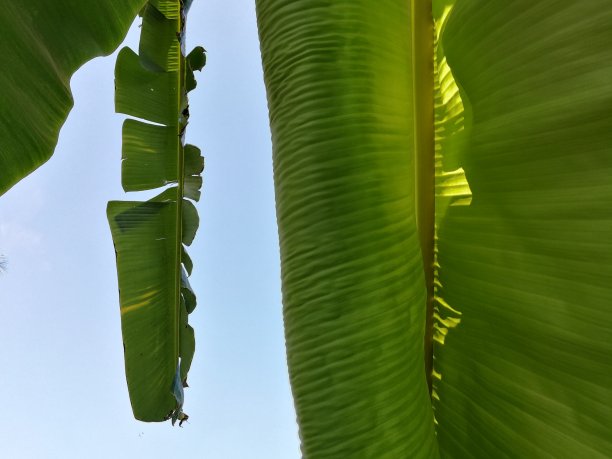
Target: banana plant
[(443, 175), (150, 237)]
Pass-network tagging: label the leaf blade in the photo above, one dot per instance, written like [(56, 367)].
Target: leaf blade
[(40, 48), (338, 79), (143, 233), (526, 372), (152, 86)]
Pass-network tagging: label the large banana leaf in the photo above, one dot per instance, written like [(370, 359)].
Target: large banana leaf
[(522, 261), (527, 267), (339, 79), (42, 44), (149, 237)]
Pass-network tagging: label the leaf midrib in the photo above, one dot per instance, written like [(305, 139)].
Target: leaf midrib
[(424, 148)]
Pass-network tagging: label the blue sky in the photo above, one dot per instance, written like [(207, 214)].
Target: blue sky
[(63, 388)]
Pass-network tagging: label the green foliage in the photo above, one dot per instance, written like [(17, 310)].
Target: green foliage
[(339, 79), (527, 372), (521, 272), (149, 237), (517, 268), (41, 45)]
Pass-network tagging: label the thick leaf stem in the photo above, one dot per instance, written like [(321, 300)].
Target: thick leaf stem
[(423, 74)]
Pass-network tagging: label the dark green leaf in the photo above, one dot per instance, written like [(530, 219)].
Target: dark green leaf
[(187, 263), (187, 351), (187, 292), (191, 221), (41, 45), (196, 58)]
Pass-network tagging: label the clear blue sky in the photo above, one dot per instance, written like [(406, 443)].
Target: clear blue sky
[(62, 384)]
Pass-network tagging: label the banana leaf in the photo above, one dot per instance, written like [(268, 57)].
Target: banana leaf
[(150, 237), (41, 45), (511, 210), (525, 270), (339, 80)]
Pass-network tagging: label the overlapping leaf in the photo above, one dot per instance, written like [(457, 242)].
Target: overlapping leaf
[(527, 373), (451, 186), (523, 322), (150, 237)]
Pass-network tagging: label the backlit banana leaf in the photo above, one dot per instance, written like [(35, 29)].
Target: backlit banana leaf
[(521, 244), (527, 266), (149, 237), (42, 43)]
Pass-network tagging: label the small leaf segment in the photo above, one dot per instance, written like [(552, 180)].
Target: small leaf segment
[(150, 237)]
